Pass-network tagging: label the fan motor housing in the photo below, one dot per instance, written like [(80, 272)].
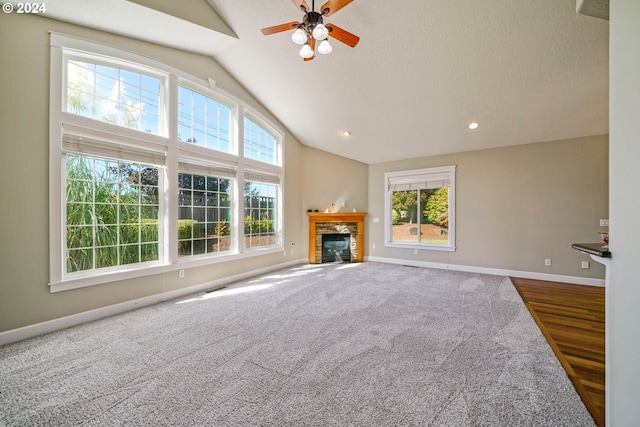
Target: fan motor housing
[(310, 20)]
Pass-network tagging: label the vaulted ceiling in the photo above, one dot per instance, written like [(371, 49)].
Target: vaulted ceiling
[(526, 71)]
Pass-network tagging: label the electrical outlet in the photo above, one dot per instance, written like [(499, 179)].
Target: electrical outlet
[(181, 274), (604, 223), (585, 264), (415, 252), (547, 262), (376, 219)]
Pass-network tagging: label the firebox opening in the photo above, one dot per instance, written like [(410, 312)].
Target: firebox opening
[(336, 248)]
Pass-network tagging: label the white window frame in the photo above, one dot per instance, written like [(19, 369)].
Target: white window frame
[(278, 135), (416, 180), (266, 178), (218, 97), (210, 171), (174, 152)]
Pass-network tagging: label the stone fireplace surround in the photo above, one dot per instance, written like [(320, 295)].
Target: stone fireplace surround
[(351, 223)]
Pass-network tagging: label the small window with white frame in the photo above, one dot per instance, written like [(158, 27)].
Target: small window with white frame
[(111, 204), (205, 210), (204, 121), (113, 93), (261, 210), (260, 143), (420, 208)]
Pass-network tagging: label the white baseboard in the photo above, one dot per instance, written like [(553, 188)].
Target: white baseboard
[(495, 271), (34, 330)]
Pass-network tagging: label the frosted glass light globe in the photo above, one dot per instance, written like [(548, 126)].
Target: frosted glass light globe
[(325, 47), (299, 36), (306, 51), (320, 32)]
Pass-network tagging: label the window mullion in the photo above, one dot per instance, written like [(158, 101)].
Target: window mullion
[(419, 214), (238, 206), (170, 208), (238, 191), (239, 131), (57, 180)]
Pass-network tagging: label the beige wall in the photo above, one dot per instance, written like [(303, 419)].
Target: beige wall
[(326, 179), (24, 257), (515, 206)]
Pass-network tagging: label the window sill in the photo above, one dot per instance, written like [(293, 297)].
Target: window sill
[(133, 273), (421, 246)]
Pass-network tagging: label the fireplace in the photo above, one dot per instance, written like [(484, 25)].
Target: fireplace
[(336, 248), (336, 233)]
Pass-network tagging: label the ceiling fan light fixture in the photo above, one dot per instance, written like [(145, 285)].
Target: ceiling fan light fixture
[(299, 36), (311, 32), (320, 32), (306, 51), (325, 47)]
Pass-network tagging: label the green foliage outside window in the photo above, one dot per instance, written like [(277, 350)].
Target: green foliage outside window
[(436, 210), (434, 204), (108, 223), (222, 228), (258, 226)]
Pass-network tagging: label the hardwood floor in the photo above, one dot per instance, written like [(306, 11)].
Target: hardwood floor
[(571, 317)]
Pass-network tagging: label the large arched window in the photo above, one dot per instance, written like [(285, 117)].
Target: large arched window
[(153, 168)]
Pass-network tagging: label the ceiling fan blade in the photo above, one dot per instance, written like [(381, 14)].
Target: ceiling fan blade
[(302, 5), (332, 6), (342, 35), (312, 44), (280, 28)]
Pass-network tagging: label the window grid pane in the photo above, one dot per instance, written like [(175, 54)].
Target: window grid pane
[(204, 214), (260, 220), (112, 213), (114, 95), (203, 121), (258, 143)]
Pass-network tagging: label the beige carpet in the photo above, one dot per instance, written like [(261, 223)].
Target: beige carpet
[(331, 345)]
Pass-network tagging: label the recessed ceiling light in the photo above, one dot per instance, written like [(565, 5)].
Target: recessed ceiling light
[(473, 125), (346, 133)]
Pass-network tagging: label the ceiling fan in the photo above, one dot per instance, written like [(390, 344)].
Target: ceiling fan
[(312, 28)]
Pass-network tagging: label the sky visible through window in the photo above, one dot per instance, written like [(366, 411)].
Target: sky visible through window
[(258, 143), (114, 95), (203, 121)]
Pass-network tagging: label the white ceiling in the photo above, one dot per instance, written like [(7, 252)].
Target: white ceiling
[(527, 71)]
